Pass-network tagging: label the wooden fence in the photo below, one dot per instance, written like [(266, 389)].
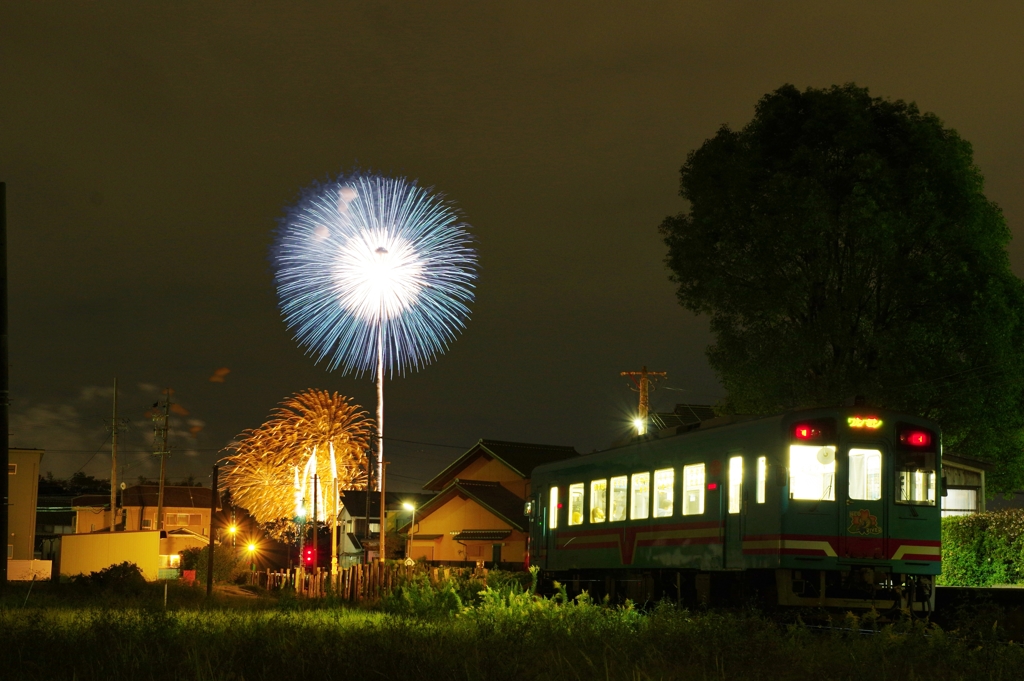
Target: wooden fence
[(369, 581)]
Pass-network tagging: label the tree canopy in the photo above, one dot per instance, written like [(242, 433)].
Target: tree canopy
[(843, 245)]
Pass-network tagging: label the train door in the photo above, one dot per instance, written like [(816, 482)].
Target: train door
[(862, 526), (734, 514)]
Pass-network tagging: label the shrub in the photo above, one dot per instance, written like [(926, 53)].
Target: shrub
[(124, 578), (227, 563), (983, 549)]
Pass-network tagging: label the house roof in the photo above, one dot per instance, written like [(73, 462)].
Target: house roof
[(520, 457), (354, 501), (490, 495), (91, 501), (174, 496)]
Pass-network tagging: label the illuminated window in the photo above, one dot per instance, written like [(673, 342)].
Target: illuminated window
[(664, 482), (915, 477), (576, 504), (553, 509), (735, 483), (598, 501), (639, 508), (693, 489), (620, 493), (762, 477), (812, 472), (865, 474)]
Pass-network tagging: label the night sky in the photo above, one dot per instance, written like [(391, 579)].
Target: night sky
[(149, 148)]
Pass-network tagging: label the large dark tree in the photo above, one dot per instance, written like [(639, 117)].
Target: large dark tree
[(842, 245)]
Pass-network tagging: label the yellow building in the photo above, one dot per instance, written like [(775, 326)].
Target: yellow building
[(23, 482), (477, 514)]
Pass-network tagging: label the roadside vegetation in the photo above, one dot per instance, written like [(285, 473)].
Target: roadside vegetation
[(492, 629), (983, 549)]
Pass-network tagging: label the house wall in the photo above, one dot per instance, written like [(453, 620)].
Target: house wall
[(91, 520), (464, 514), (198, 518), (492, 470), (23, 491), (85, 553)]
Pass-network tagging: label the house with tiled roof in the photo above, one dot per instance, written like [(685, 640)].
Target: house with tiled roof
[(476, 515)]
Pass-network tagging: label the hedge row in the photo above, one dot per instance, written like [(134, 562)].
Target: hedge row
[(983, 549)]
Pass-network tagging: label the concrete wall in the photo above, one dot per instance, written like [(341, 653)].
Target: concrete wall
[(85, 553), (23, 478)]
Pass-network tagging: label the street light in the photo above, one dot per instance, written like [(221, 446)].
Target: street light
[(412, 527), (232, 530), (251, 548)]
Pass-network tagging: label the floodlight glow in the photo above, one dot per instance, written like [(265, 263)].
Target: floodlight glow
[(408, 507), (638, 423)]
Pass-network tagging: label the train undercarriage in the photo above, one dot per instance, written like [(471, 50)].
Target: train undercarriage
[(858, 588)]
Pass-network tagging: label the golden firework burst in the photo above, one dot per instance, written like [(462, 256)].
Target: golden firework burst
[(261, 468)]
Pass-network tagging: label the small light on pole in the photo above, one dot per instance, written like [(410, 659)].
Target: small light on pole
[(251, 548), (412, 528)]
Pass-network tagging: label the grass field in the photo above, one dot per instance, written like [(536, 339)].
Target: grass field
[(65, 632)]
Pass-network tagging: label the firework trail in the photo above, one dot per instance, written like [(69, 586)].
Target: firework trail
[(374, 274)]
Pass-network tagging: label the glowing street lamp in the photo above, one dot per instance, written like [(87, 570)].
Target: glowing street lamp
[(412, 527), (641, 427), (251, 548)]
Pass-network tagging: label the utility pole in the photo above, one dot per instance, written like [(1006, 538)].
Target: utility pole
[(316, 556), (383, 477), (4, 386), (114, 427), (160, 435), (643, 383), (334, 533), (213, 512)]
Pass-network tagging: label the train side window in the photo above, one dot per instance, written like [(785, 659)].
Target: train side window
[(598, 501), (865, 474), (693, 489), (812, 472), (639, 508), (735, 483), (553, 508), (762, 477), (664, 500), (576, 504), (620, 495)]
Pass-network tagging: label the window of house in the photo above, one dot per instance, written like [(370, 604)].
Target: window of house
[(812, 472), (619, 495), (598, 501), (693, 489), (735, 483), (12, 469), (960, 502), (576, 504), (664, 484), (639, 508), (762, 478), (553, 509), (865, 474), (195, 519), (147, 523)]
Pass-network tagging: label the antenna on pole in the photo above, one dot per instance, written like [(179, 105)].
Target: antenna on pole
[(643, 382)]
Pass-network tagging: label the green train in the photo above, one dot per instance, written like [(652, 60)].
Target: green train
[(833, 507)]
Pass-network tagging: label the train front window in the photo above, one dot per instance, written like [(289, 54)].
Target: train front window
[(576, 504), (620, 496), (664, 483), (812, 472), (865, 474), (553, 509), (693, 489), (598, 501), (915, 478), (639, 508)]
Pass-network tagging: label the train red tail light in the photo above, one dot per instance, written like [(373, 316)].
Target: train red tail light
[(804, 432), (712, 486), (917, 438), (818, 430)]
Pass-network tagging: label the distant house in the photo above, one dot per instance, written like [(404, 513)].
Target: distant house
[(186, 524), (359, 523), (477, 513), (965, 485), (23, 491)]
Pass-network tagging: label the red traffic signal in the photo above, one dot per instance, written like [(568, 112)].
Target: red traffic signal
[(309, 557)]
